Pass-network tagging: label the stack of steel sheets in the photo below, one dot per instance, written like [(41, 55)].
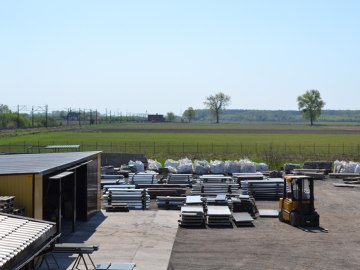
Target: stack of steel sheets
[(180, 179), (168, 202), (7, 204), (143, 178), (134, 198), (238, 177), (192, 215), (271, 189), (218, 200), (156, 190), (220, 188), (242, 219), (216, 178), (244, 203), (218, 216), (112, 180), (106, 187)]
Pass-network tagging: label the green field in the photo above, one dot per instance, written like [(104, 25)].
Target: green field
[(271, 143)]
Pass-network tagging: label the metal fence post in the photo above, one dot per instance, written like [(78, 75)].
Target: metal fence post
[(154, 147)]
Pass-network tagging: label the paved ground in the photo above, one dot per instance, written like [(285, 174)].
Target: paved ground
[(275, 245), (147, 238), (142, 237)]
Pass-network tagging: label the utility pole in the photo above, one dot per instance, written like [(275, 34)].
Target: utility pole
[(79, 117), (96, 117), (46, 116), (18, 116), (32, 117), (110, 116)]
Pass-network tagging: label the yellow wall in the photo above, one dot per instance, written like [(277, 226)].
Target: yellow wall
[(38, 193), (20, 186)]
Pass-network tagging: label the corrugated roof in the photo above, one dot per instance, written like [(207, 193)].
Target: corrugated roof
[(41, 163), (21, 238)]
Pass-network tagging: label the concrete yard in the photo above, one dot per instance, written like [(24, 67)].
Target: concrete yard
[(153, 241)]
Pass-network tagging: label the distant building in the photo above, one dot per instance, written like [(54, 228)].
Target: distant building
[(73, 116), (156, 118)]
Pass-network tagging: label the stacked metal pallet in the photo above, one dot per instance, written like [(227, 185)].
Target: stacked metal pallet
[(134, 198), (270, 189), (218, 215), (217, 200), (242, 219), (216, 178), (244, 203), (238, 177), (180, 179), (210, 188), (143, 178), (156, 190), (7, 204), (192, 214), (169, 202), (107, 179)]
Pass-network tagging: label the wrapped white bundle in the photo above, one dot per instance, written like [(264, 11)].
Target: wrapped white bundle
[(232, 166), (154, 165), (261, 167), (201, 167), (185, 166), (171, 163), (217, 166), (247, 166), (138, 165)]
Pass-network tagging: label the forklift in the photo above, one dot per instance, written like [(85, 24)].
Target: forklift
[(297, 203)]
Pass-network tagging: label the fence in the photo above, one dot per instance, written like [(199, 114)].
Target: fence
[(168, 150)]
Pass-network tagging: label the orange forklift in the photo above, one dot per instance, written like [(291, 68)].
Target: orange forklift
[(297, 203)]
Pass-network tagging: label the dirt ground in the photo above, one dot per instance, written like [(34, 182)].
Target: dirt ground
[(271, 244), (348, 130)]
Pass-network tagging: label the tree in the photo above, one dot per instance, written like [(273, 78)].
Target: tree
[(189, 114), (310, 104), (217, 104), (170, 116)]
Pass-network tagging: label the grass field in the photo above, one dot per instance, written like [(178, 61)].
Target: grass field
[(271, 143)]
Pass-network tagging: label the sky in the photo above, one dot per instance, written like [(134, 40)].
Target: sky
[(157, 56)]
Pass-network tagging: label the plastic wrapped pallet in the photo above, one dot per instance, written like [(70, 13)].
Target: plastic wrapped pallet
[(185, 166), (232, 166), (261, 167), (247, 166), (217, 166), (201, 167), (154, 165), (349, 167), (138, 165)]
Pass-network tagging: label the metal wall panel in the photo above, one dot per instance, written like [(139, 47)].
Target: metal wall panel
[(38, 196), (20, 186)]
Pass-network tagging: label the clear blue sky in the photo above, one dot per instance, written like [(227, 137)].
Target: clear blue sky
[(161, 56)]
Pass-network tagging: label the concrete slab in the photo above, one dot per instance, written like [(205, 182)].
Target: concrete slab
[(142, 237)]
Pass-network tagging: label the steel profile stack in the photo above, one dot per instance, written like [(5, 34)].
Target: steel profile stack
[(169, 202), (143, 178), (7, 204), (270, 189), (238, 177), (218, 200), (134, 198), (112, 180), (192, 215), (210, 188), (218, 216), (244, 203), (216, 178), (180, 179)]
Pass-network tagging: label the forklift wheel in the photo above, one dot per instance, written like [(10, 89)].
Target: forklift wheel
[(281, 216), (294, 219)]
